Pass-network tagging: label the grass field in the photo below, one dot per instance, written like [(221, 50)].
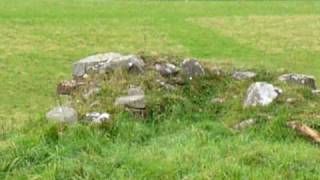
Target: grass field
[(40, 39)]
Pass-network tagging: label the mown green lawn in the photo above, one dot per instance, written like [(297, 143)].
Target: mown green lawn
[(40, 39)]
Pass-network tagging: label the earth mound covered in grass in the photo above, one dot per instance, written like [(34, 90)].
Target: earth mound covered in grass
[(153, 89)]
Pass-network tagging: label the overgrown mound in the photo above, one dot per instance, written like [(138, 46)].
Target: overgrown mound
[(153, 89)]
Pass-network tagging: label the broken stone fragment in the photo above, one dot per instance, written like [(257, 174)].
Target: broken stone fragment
[(301, 79), (305, 130), (261, 93), (135, 91), (102, 63), (192, 68), (167, 69), (66, 87), (96, 117), (244, 124), (242, 75), (62, 114), (135, 101)]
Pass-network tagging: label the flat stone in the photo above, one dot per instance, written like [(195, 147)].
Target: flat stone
[(167, 69), (96, 117), (301, 79), (136, 101), (242, 75), (192, 68), (62, 114), (102, 63), (261, 93)]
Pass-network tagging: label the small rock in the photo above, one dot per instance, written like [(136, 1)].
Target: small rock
[(261, 93), (301, 79), (244, 124), (96, 117), (62, 114), (192, 68), (66, 87), (217, 101), (135, 91), (167, 70), (242, 75), (136, 101), (291, 100)]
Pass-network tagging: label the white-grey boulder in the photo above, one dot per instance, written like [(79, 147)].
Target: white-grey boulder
[(98, 118), (242, 75), (167, 69), (102, 63), (192, 68), (135, 101), (301, 79), (261, 93), (62, 114)]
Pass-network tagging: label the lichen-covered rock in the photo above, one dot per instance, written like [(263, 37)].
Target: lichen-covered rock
[(66, 87), (62, 114), (135, 101), (192, 68), (102, 63), (261, 93), (96, 117), (167, 69), (242, 75), (302, 79)]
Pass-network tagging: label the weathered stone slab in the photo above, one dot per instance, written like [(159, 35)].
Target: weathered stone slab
[(301, 79), (102, 63)]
